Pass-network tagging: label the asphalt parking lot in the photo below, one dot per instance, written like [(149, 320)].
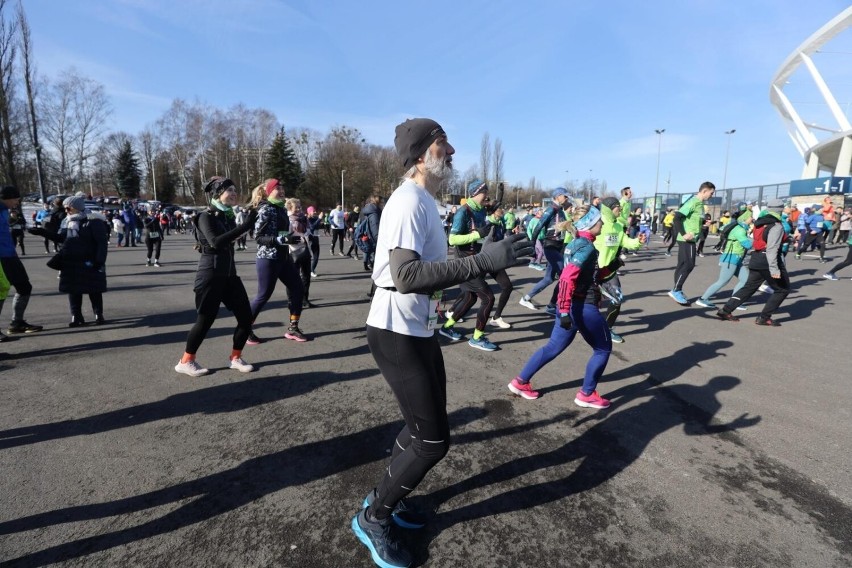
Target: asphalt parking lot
[(727, 444)]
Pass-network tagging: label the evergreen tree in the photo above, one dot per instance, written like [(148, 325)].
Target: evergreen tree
[(281, 163), (127, 174)]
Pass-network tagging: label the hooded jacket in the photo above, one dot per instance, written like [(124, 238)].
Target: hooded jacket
[(774, 236), (373, 215), (610, 241)]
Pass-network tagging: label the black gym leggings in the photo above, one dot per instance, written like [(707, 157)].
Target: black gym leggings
[(231, 292), (414, 369), (843, 264), (154, 244), (470, 291), (505, 291)]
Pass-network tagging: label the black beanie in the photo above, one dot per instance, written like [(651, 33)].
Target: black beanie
[(413, 138), (611, 202), (9, 192), (217, 185)]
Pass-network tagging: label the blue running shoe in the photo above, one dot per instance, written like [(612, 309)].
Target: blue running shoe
[(386, 550), (450, 333), (678, 297), (551, 310), (615, 337), (482, 343), (705, 304), (404, 515)]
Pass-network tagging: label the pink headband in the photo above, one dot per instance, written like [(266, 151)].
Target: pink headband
[(271, 185)]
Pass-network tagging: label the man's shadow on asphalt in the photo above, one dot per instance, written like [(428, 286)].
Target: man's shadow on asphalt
[(228, 397), (231, 489), (600, 453)]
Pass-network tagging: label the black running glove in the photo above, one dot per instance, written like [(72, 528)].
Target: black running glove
[(565, 321), (502, 254)]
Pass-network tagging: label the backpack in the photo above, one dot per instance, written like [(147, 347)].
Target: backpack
[(723, 236), (362, 235)]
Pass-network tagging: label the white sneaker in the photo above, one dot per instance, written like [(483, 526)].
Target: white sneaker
[(240, 365), (450, 316), (313, 274), (527, 303), (191, 368), (500, 323)]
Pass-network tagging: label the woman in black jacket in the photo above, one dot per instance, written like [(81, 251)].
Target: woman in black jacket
[(216, 280), (81, 259)]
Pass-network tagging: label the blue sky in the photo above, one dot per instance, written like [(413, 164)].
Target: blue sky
[(576, 86)]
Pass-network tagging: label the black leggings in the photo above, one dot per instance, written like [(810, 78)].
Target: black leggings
[(685, 263), (232, 293), (337, 235), (817, 239), (75, 303), (471, 290), (315, 250), (505, 291), (414, 369), (304, 267), (153, 244), (18, 239), (843, 264)]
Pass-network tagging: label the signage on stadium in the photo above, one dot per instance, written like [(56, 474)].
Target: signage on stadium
[(821, 186)]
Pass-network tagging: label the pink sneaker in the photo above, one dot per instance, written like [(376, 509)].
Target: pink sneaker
[(593, 400), (523, 389)]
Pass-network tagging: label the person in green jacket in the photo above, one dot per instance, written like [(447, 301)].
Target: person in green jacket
[(732, 260), (537, 262), (608, 244), (510, 221)]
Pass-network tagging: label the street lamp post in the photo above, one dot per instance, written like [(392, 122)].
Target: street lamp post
[(659, 132), (728, 133), (341, 189), (591, 181), (727, 154)]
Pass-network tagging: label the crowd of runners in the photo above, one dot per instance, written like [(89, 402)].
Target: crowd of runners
[(414, 256)]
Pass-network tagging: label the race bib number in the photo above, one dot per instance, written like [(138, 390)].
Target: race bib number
[(434, 302), (611, 241), (819, 224), (153, 236)]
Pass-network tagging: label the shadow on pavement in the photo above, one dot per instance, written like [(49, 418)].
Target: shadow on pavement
[(230, 397), (601, 453)]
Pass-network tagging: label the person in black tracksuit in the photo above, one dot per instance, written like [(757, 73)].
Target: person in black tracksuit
[(153, 237), (314, 227), (216, 280)]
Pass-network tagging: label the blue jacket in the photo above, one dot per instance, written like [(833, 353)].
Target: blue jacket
[(7, 246), (802, 223), (815, 222)]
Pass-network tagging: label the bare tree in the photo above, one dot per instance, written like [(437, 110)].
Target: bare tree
[(91, 109), (29, 79), (497, 161), (485, 157), (151, 147), (8, 146)]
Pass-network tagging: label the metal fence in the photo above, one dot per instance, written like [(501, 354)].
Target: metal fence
[(724, 200)]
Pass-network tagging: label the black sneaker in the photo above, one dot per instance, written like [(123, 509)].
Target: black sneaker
[(379, 537), (769, 322), (77, 321), (4, 337), (725, 316), (99, 320), (253, 339), (23, 327), (404, 515)]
